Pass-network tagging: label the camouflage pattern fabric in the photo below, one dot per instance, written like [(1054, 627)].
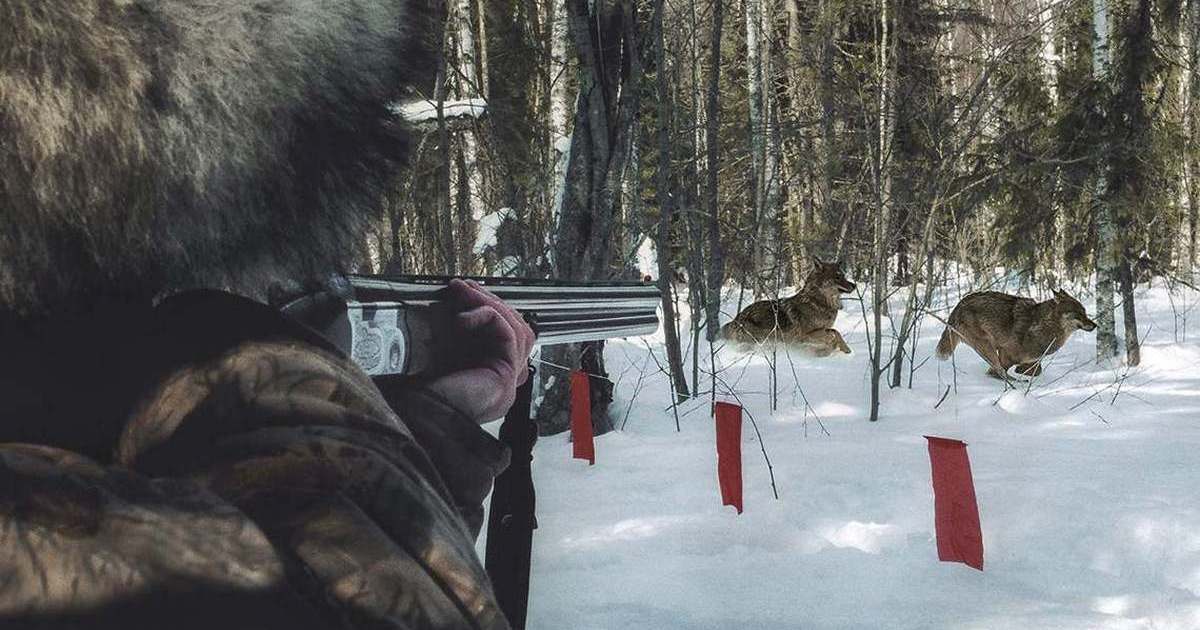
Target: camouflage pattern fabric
[(259, 480)]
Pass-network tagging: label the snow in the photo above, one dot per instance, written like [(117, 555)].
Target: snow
[(489, 226), (1086, 479), (647, 259), (426, 110)]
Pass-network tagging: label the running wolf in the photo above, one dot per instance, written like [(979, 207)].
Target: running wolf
[(1008, 330), (804, 320)]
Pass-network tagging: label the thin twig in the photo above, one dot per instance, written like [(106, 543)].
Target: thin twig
[(637, 390), (943, 398)]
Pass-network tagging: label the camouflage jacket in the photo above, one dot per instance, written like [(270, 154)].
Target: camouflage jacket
[(209, 464)]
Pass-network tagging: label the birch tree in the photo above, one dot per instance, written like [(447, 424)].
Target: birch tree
[(757, 140), (469, 179)]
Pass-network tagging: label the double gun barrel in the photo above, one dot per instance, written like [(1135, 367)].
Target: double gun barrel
[(385, 322)]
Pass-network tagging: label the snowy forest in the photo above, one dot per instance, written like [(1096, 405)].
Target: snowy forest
[(727, 150), (738, 141)]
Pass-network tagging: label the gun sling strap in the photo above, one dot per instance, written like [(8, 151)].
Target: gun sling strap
[(511, 520)]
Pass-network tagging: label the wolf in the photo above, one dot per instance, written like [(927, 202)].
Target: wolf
[(804, 320), (1008, 330)]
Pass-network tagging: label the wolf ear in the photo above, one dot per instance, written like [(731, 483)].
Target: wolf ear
[(817, 262), (1059, 293)]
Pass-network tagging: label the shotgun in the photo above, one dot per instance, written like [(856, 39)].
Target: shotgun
[(384, 323)]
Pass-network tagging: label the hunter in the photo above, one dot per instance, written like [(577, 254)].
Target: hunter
[(175, 453)]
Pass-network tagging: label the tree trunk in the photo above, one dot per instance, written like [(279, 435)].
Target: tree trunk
[(481, 13), (757, 140), (1192, 147), (1135, 119), (771, 242), (1133, 346), (1106, 234), (798, 165), (693, 219), (665, 210), (883, 174), (716, 264), (445, 208), (605, 35), (465, 221), (825, 87), (470, 180), (519, 144), (560, 103), (630, 236)]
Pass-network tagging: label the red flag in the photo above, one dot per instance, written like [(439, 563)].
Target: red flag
[(582, 443), (729, 453), (956, 514)]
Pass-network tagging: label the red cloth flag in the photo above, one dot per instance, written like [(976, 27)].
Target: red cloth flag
[(582, 442), (729, 453), (956, 513)]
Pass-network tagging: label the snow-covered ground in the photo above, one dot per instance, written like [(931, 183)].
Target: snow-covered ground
[(1088, 481)]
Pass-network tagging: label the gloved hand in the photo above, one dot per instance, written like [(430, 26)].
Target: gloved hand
[(482, 350)]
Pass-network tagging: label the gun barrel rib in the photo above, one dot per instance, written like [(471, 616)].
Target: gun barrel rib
[(385, 325)]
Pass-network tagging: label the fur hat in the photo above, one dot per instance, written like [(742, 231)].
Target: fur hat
[(152, 146)]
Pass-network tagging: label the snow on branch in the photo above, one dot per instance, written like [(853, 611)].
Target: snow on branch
[(423, 112)]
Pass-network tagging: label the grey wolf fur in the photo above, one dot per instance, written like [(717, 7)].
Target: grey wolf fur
[(148, 146), (804, 320), (1007, 330)]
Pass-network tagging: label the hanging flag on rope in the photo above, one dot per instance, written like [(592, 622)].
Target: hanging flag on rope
[(729, 453), (582, 442), (956, 513)]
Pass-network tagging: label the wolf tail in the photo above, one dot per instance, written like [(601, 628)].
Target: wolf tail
[(947, 343)]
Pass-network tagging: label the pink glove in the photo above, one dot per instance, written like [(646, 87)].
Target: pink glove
[(483, 349)]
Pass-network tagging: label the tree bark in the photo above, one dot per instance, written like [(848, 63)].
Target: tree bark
[(796, 167), (825, 87), (753, 17), (1133, 345), (757, 141), (693, 218), (517, 141), (666, 210), (445, 208), (470, 177), (606, 35), (1192, 149), (883, 173), (1106, 235), (771, 241), (482, 39), (716, 264)]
